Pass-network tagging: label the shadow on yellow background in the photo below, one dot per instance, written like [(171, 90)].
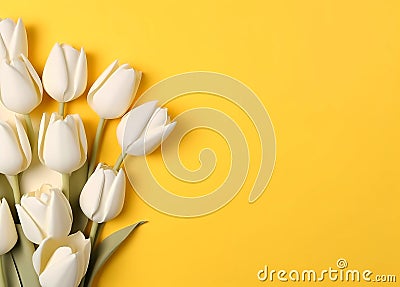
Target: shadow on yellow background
[(327, 72)]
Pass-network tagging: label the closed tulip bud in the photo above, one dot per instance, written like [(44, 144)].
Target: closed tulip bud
[(9, 235), (112, 93), (103, 195), (45, 213), (143, 129), (13, 40), (15, 150), (62, 143), (62, 262), (65, 73), (20, 86)]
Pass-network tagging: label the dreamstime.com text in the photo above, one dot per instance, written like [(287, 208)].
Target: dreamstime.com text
[(341, 273)]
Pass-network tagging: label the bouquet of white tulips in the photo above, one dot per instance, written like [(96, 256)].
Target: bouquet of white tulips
[(42, 240)]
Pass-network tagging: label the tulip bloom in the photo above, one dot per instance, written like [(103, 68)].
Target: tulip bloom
[(8, 232), (112, 93), (103, 195), (143, 129), (13, 39), (62, 262), (45, 213), (62, 143), (65, 73), (15, 150), (20, 86)]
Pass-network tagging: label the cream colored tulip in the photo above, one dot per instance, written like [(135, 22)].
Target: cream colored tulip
[(62, 143), (65, 73), (13, 39), (143, 129), (15, 150), (112, 93), (45, 213), (103, 195), (62, 262), (8, 232), (20, 86)]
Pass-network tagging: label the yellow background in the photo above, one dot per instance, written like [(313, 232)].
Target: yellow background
[(327, 72)]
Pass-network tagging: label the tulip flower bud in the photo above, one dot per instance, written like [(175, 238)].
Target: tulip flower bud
[(112, 93), (45, 213), (15, 150), (62, 143), (103, 195), (65, 73), (8, 232), (20, 86), (143, 129), (13, 40), (62, 262)]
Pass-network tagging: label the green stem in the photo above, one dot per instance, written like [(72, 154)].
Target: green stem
[(3, 280), (94, 232), (13, 179), (65, 184), (61, 109), (119, 161), (31, 132), (96, 145)]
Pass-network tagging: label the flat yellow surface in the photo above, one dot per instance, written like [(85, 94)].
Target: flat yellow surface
[(328, 72)]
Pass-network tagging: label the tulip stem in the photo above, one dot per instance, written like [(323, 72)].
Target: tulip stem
[(31, 132), (65, 184), (94, 232), (61, 109), (96, 145), (13, 180), (3, 281), (119, 161)]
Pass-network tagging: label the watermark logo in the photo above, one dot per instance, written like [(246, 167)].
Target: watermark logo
[(340, 273), (153, 193)]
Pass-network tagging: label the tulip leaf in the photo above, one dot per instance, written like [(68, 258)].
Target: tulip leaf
[(77, 181), (107, 248), (22, 255), (10, 270)]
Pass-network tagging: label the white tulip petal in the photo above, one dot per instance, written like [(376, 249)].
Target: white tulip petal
[(81, 247), (34, 76), (82, 138), (8, 232), (59, 215), (19, 41), (101, 79), (168, 130), (136, 123), (62, 274), (24, 143), (3, 49), (18, 92), (36, 209), (29, 227), (71, 59), (158, 119), (115, 96), (102, 211), (7, 27), (121, 129), (44, 252), (11, 159), (115, 197), (91, 194), (55, 74), (80, 79), (44, 122)]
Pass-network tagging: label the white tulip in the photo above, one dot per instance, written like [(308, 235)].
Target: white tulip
[(45, 213), (65, 73), (9, 235), (143, 129), (112, 93), (15, 150), (62, 262), (20, 86), (13, 39), (62, 143), (103, 195)]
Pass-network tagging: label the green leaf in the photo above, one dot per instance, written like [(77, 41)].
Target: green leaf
[(10, 270), (22, 254), (107, 248), (77, 181)]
